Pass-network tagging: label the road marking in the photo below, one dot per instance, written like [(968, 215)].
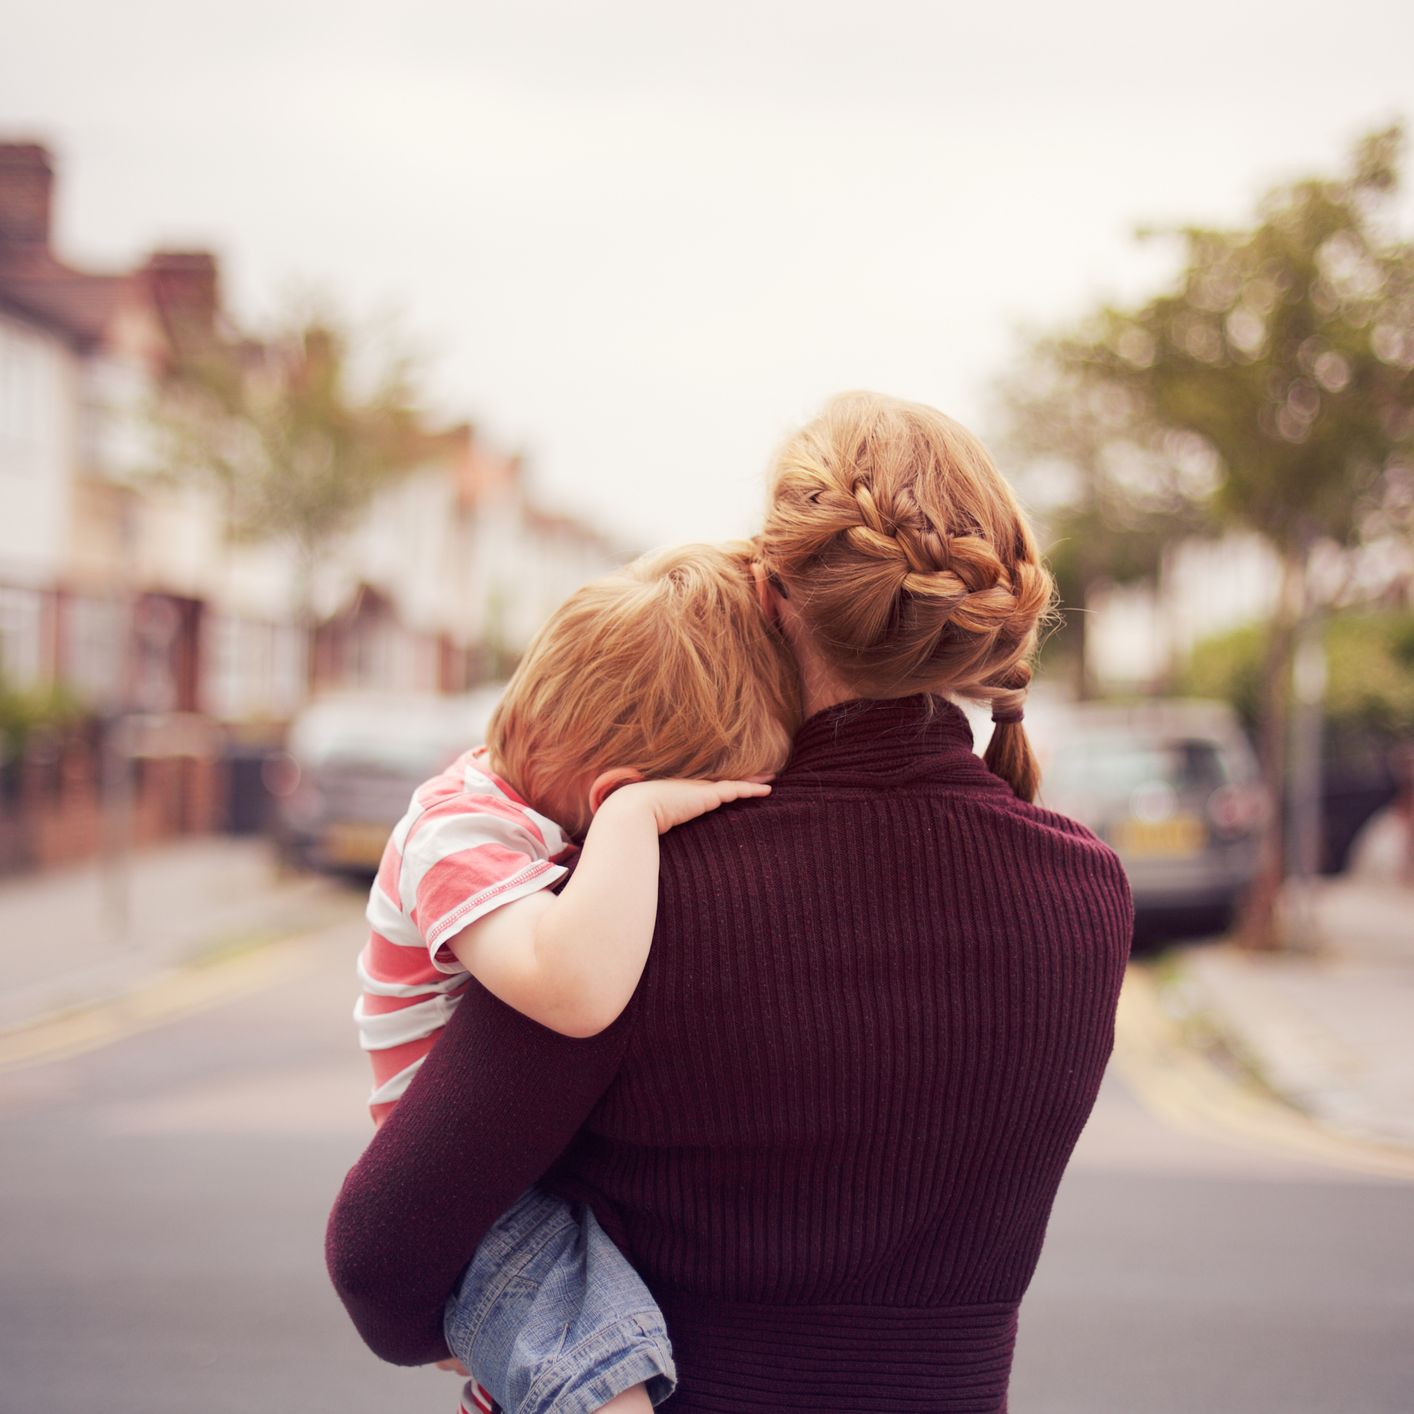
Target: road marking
[(176, 993), (1184, 1087)]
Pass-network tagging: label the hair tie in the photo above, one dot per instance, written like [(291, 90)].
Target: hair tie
[(1013, 714)]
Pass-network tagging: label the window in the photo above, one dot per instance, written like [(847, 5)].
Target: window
[(21, 636), (94, 639)]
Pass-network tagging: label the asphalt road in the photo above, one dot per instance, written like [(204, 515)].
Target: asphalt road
[(163, 1193)]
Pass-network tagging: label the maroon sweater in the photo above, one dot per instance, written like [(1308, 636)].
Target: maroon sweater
[(829, 1128)]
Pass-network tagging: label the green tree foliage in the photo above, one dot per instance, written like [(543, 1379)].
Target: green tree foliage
[(294, 440), (1283, 357), (1370, 661), (27, 713), (1370, 677), (1110, 487), (1288, 349), (1228, 667)]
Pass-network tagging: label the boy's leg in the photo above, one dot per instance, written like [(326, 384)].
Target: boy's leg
[(631, 1401), (551, 1318)]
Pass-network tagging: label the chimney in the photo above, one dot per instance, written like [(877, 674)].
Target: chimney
[(26, 189), (184, 288)]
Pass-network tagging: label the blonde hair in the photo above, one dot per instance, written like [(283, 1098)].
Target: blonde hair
[(667, 667), (909, 563)]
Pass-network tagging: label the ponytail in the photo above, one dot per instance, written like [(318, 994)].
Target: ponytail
[(1009, 753)]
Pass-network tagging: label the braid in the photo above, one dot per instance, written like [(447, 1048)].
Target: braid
[(910, 563)]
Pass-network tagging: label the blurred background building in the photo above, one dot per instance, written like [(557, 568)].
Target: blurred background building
[(123, 598), (162, 624)]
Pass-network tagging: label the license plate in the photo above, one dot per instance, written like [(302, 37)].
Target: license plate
[(355, 846), (1175, 838)]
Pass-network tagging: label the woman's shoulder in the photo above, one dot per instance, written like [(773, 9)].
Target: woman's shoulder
[(1042, 817), (1061, 865), (982, 871), (1064, 842), (813, 828)]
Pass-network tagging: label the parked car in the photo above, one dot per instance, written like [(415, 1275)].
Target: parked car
[(352, 762), (1173, 786)]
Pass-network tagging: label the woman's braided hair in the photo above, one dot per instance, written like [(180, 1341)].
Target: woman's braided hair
[(909, 562)]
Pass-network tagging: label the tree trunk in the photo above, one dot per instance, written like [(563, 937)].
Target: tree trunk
[(1258, 925)]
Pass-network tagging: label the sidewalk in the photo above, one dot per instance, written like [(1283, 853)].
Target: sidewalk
[(83, 935), (1332, 1031)]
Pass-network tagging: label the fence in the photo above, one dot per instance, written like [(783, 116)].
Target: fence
[(74, 794)]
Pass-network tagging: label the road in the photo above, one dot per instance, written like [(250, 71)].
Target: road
[(163, 1187)]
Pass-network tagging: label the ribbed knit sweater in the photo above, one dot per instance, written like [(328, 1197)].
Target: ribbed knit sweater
[(829, 1128)]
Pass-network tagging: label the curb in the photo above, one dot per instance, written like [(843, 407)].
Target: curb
[(1246, 1004), (1194, 1091)]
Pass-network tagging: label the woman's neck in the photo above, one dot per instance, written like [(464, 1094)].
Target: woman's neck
[(819, 693), (819, 687)]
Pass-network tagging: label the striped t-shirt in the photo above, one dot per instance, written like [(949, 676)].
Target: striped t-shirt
[(467, 844)]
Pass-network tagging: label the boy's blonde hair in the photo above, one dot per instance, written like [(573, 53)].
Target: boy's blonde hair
[(667, 666), (909, 562)]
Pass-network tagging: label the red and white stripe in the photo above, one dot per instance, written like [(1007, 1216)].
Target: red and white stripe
[(468, 844)]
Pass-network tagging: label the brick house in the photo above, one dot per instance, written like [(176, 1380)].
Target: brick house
[(129, 592)]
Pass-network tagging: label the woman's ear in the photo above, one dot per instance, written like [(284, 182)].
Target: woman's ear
[(607, 782), (767, 595)]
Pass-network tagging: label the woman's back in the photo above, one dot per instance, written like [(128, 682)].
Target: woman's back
[(873, 1025), (831, 1124)]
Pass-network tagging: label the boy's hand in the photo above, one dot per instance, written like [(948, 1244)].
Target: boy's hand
[(675, 802)]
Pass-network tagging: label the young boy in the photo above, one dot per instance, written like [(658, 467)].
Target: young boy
[(649, 698)]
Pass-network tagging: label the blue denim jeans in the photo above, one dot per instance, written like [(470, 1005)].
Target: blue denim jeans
[(551, 1319)]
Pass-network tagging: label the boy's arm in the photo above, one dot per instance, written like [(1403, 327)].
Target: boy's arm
[(571, 960), (495, 1104)]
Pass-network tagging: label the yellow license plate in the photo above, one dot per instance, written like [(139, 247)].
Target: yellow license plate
[(1175, 838), (355, 846)]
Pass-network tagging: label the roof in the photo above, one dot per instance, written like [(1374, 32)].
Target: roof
[(76, 305)]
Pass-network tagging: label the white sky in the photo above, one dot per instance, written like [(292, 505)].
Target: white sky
[(641, 240)]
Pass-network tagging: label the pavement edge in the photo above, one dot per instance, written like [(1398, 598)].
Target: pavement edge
[(1193, 1092)]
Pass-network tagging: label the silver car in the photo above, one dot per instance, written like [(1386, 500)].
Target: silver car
[(352, 762), (1173, 786)]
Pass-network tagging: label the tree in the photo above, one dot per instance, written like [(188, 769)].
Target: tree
[(1371, 657), (1287, 350), (293, 440), (1111, 489)]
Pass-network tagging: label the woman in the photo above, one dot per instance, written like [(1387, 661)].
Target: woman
[(830, 1126)]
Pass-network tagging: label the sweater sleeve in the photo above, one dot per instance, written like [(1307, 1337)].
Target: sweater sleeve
[(496, 1102)]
